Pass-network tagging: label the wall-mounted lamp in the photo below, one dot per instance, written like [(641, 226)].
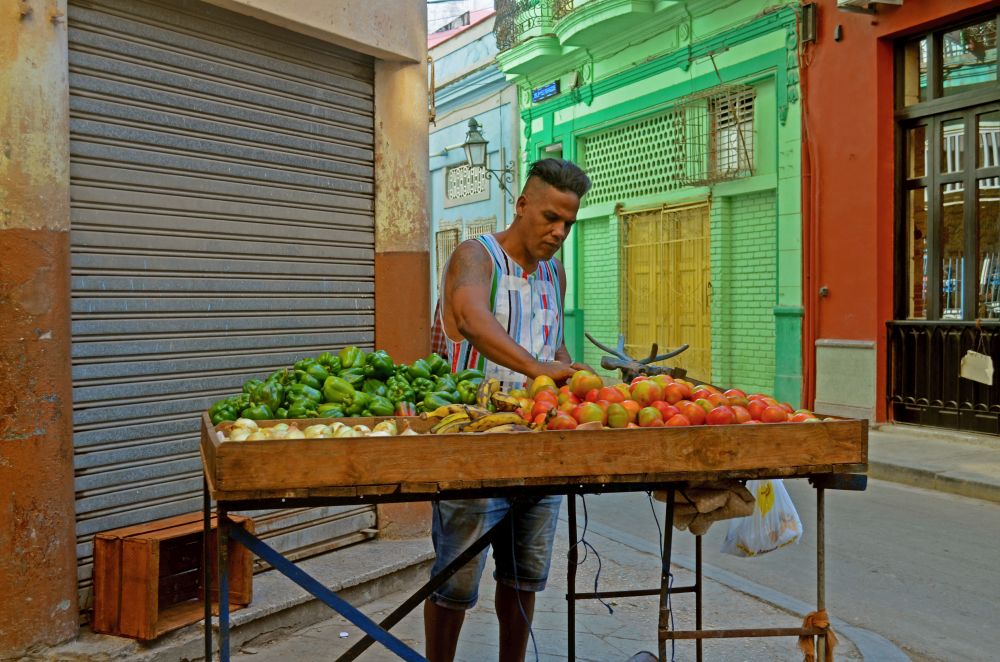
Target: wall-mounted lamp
[(475, 156)]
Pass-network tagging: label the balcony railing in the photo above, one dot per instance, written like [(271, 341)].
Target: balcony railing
[(925, 387), (518, 20)]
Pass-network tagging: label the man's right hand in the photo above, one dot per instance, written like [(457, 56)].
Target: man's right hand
[(559, 372)]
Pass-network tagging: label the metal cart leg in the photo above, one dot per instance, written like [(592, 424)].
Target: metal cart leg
[(820, 568), (697, 595), (573, 559), (222, 545), (668, 530), (206, 565)]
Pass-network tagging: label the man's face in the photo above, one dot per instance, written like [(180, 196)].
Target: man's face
[(546, 214)]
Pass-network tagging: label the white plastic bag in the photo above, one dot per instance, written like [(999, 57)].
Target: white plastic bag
[(773, 524)]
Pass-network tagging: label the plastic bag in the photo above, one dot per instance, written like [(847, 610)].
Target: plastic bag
[(773, 524)]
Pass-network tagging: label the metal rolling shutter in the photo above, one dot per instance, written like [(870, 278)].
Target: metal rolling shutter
[(222, 227)]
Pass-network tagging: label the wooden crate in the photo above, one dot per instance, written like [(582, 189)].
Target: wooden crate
[(148, 578), (433, 463)]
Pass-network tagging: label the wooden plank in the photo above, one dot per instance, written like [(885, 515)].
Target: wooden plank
[(138, 588), (506, 459), (107, 584)]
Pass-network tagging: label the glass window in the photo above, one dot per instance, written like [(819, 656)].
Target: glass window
[(988, 140), (988, 243), (969, 57), (952, 232), (917, 253), (952, 146), (916, 152)]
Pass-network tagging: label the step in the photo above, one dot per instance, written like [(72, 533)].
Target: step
[(360, 574)]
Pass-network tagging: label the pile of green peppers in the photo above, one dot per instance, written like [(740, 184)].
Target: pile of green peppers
[(351, 382)]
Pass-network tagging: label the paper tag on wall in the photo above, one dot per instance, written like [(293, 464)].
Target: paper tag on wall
[(977, 367)]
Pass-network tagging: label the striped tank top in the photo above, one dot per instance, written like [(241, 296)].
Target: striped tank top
[(528, 307)]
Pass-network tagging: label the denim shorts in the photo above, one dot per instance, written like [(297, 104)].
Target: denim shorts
[(521, 551)]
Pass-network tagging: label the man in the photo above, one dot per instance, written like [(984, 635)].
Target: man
[(502, 311)]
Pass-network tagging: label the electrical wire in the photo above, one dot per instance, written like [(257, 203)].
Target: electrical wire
[(587, 548), (517, 583), (670, 575)]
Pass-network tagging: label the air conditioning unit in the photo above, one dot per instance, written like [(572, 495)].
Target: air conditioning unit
[(864, 6)]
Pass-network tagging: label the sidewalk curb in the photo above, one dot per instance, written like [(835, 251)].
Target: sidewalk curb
[(933, 480)]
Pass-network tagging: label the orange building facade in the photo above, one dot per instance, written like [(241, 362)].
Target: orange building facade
[(901, 120)]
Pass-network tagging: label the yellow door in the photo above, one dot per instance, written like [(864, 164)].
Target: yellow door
[(666, 284)]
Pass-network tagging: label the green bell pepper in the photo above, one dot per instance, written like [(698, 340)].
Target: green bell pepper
[(471, 373), (258, 412), (421, 387), (339, 391), (270, 393), (374, 387), (359, 405), (302, 391), (251, 385), (331, 361), (281, 412), (303, 377), (223, 410), (317, 372), (397, 389), (330, 410), (302, 408), (435, 400), (438, 366), (353, 376), (303, 364), (380, 406), (467, 391), (351, 357), (418, 370), (281, 376), (379, 365), (445, 383)]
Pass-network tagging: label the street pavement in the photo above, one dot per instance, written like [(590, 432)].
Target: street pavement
[(603, 635)]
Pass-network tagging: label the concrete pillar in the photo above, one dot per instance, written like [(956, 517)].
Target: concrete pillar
[(402, 260), (37, 537)]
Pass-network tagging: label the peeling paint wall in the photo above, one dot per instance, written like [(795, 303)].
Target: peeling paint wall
[(37, 538)]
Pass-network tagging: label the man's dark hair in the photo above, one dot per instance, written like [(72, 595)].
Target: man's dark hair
[(561, 174)]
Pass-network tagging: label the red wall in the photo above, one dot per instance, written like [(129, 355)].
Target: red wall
[(848, 169)]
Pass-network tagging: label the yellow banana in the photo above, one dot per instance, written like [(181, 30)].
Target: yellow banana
[(493, 420), (475, 412), (444, 410), (457, 417), (504, 402), (453, 427), (486, 390)]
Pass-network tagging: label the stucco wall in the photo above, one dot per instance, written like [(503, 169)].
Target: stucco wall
[(388, 30)]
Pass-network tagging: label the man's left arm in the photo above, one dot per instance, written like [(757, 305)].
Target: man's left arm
[(562, 354)]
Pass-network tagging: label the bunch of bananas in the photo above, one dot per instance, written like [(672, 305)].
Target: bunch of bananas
[(494, 411)]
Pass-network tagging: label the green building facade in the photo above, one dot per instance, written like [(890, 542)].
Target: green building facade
[(686, 117)]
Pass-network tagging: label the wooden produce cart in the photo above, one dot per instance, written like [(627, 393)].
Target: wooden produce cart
[(251, 475)]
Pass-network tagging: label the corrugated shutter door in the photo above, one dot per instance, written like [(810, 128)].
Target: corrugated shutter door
[(222, 227)]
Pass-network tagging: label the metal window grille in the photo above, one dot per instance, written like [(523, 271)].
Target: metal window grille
[(446, 241), (465, 184), (718, 134), (515, 18), (480, 227)]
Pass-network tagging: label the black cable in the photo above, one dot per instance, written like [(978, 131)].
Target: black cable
[(670, 575), (517, 583), (587, 548)]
